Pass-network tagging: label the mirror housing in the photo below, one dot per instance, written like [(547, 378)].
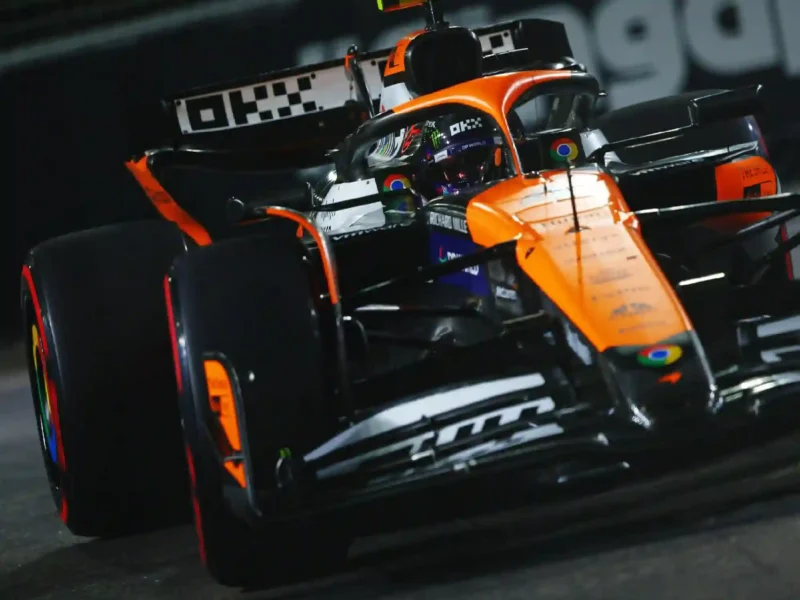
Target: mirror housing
[(730, 104)]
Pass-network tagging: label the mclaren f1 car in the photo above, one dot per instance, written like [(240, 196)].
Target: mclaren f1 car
[(492, 282)]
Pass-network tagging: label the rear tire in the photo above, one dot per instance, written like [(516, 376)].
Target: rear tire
[(247, 303), (102, 378)]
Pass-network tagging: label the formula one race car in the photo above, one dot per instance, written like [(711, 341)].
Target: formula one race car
[(492, 284)]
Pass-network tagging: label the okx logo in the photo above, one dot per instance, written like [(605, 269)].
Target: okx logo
[(467, 125)]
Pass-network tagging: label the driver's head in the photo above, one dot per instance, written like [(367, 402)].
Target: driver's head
[(458, 153)]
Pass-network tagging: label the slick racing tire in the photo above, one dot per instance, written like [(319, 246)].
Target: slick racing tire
[(245, 307), (102, 378)]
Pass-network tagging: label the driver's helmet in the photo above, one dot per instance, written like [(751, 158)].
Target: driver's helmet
[(457, 153)]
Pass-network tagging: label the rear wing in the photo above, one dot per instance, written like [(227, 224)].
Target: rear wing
[(704, 110), (292, 117)]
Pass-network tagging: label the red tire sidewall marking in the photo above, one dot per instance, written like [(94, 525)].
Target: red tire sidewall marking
[(51, 387), (173, 335), (198, 517)]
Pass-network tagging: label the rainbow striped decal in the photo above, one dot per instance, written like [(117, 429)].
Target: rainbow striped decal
[(43, 397), (564, 149), (395, 183), (659, 356)]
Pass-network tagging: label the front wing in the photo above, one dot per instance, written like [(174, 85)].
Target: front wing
[(530, 427)]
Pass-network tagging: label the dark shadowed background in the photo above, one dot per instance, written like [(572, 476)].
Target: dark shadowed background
[(75, 96)]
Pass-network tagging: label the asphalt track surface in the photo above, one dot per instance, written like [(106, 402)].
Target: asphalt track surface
[(747, 553)]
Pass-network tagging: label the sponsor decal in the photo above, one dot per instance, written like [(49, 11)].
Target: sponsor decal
[(448, 247), (633, 309), (457, 149), (504, 283), (420, 409), (620, 292), (671, 378), (503, 416), (255, 104), (396, 182), (659, 356), (608, 275), (564, 194), (641, 326), (564, 149), (436, 137), (427, 444), (427, 406), (448, 222), (470, 145), (446, 255), (754, 172), (466, 125), (592, 254), (504, 293)]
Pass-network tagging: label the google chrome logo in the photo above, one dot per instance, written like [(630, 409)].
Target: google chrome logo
[(395, 183), (659, 356), (564, 149)]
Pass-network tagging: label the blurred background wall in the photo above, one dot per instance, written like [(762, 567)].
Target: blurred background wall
[(75, 85)]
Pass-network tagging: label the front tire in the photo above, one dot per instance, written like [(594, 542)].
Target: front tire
[(244, 308), (102, 379)]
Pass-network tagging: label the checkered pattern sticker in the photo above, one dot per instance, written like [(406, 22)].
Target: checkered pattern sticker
[(465, 126), (301, 94), (304, 93), (497, 42)]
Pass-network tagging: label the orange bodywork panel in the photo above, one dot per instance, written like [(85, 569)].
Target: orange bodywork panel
[(221, 401), (165, 203), (327, 264), (604, 277), (750, 177), (397, 59), (745, 178)]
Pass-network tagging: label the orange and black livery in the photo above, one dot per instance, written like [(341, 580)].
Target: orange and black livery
[(493, 282)]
